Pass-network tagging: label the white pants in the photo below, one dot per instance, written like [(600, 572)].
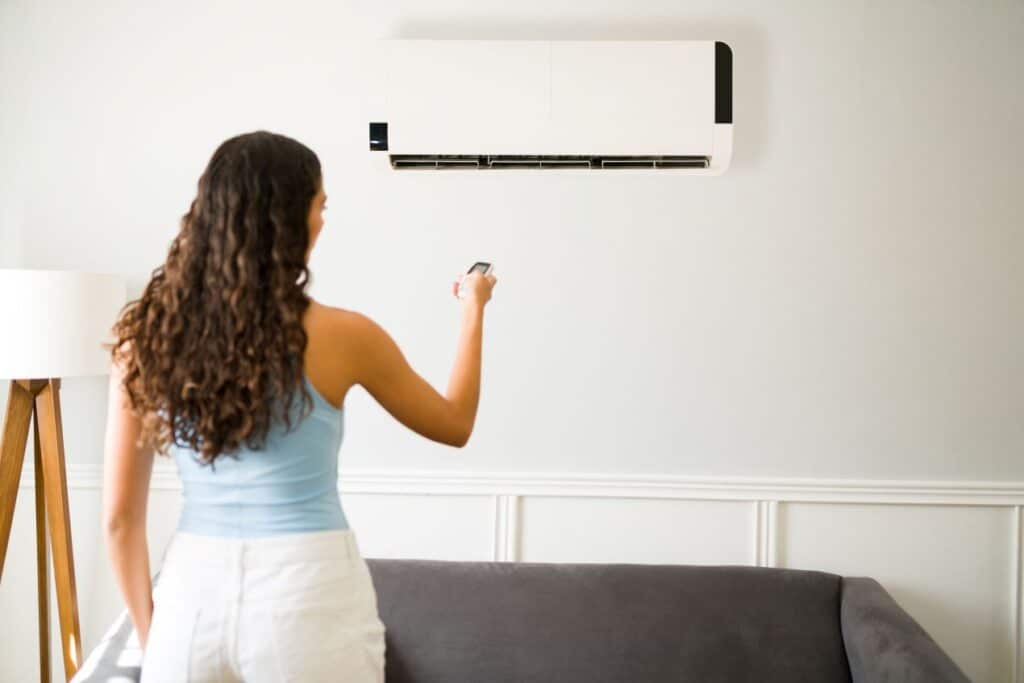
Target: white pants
[(294, 607)]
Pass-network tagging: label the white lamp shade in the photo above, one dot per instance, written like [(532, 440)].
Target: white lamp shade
[(53, 322)]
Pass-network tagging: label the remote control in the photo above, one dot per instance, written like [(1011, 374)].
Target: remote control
[(482, 267)]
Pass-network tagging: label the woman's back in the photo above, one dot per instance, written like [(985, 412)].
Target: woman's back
[(289, 485)]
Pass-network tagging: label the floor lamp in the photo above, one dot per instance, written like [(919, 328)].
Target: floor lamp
[(52, 325)]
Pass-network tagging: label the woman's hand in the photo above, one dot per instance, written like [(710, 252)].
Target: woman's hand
[(476, 287)]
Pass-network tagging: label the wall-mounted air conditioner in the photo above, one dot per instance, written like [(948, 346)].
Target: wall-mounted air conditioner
[(514, 104)]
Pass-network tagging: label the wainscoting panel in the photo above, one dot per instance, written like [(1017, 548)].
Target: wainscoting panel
[(953, 568), (446, 527), (636, 530)]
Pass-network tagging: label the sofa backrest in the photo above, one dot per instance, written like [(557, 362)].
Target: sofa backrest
[(533, 621)]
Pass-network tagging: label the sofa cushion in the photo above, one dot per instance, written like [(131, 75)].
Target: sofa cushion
[(533, 621)]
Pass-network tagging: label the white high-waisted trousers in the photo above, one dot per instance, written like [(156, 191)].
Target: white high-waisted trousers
[(294, 607)]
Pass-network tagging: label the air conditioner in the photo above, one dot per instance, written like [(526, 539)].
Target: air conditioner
[(524, 104)]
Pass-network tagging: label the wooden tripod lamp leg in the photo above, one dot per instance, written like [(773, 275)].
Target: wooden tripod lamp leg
[(56, 495), (42, 561), (12, 455)]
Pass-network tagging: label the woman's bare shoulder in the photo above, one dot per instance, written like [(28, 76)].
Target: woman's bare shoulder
[(334, 319), (345, 322), (332, 353)]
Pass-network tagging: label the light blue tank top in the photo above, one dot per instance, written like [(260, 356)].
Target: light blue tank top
[(289, 486)]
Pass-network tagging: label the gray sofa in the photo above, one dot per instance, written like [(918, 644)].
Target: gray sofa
[(532, 622)]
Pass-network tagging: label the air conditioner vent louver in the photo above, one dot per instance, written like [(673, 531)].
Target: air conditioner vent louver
[(500, 161)]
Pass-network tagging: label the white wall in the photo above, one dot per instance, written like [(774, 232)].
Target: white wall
[(845, 303)]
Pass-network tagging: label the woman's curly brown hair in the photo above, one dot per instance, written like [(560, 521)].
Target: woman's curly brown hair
[(216, 337)]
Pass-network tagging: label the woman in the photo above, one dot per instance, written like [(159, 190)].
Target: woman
[(263, 579)]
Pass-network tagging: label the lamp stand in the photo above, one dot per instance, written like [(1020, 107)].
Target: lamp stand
[(40, 398)]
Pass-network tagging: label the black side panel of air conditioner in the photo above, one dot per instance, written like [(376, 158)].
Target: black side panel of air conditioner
[(723, 83)]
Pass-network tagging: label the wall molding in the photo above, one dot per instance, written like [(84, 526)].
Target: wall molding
[(766, 489), (1017, 598), (765, 533)]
